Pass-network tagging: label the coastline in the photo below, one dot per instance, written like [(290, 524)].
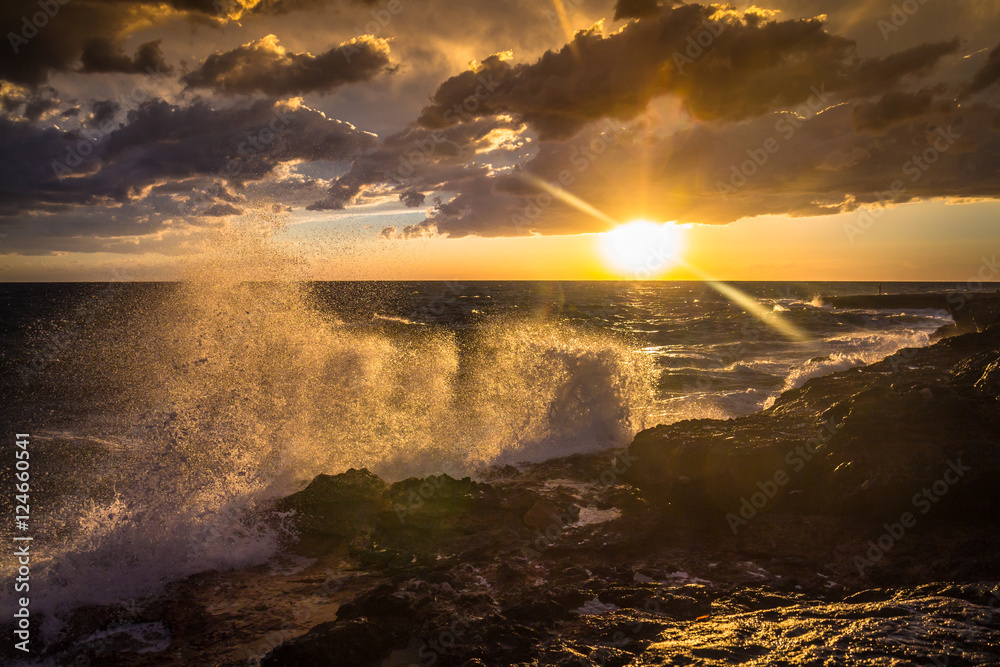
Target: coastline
[(630, 556)]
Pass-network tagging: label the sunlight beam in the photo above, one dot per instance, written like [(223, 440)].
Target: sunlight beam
[(745, 301), (751, 305)]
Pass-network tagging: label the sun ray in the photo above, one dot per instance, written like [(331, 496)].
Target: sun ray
[(569, 198), (560, 9), (751, 305), (738, 297)]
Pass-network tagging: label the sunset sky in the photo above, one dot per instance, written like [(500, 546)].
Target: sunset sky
[(487, 139)]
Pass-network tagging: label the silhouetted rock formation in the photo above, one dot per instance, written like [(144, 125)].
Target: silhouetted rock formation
[(846, 444)]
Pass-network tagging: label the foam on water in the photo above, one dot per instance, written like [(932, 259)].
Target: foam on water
[(232, 393), (858, 350), (227, 394)]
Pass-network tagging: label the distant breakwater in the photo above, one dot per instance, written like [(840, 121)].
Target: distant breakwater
[(972, 311)]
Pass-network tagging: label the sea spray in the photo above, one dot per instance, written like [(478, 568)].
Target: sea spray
[(225, 393)]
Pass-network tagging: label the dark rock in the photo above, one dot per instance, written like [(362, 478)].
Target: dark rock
[(888, 431), (355, 643), (338, 505), (989, 382), (543, 613), (544, 514)]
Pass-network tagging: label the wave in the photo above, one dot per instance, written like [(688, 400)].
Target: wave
[(862, 349), (717, 404), (748, 385), (222, 394), (232, 394)]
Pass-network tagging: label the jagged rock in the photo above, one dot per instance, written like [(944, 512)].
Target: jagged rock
[(888, 431), (435, 570)]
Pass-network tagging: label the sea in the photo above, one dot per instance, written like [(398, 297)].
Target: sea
[(165, 417)]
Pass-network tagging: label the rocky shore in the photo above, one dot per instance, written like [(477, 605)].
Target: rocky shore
[(852, 522)]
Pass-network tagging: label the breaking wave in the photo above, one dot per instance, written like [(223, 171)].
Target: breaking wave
[(225, 394)]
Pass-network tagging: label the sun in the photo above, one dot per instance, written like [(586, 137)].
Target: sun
[(641, 249)]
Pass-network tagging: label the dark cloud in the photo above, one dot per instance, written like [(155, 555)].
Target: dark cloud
[(412, 198), (220, 192), (727, 68), (104, 55), (417, 158), (266, 67), (160, 142), (28, 182), (34, 109), (45, 36), (635, 9), (719, 173), (103, 110), (40, 41), (988, 75), (893, 108), (131, 227)]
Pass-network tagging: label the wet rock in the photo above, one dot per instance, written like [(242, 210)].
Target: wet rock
[(887, 431), (839, 634), (439, 514), (540, 613), (989, 381), (337, 505), (544, 514)]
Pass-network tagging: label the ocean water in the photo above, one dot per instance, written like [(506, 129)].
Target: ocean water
[(166, 416)]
